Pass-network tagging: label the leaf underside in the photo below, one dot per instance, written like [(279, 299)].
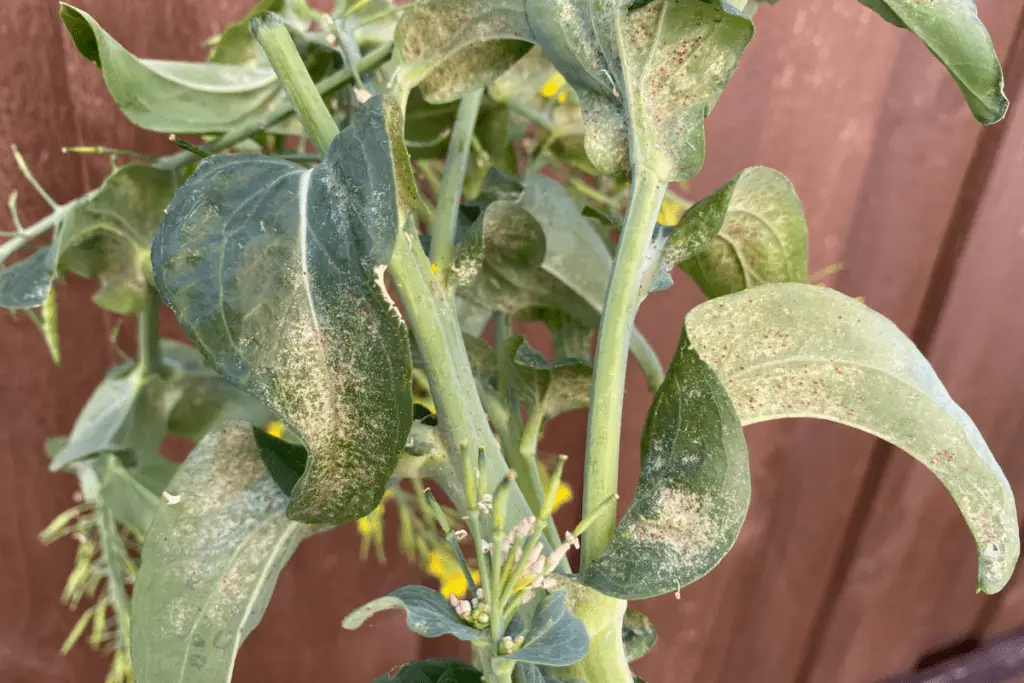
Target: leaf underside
[(426, 613)]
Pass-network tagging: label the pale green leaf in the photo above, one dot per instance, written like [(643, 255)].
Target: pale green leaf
[(953, 33), (449, 47), (105, 234), (554, 387), (749, 232), (693, 492), (426, 613), (276, 272), (210, 561), (176, 97), (236, 45), (796, 350)]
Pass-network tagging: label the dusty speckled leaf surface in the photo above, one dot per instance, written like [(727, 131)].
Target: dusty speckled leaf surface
[(954, 34), (555, 638), (210, 562), (176, 97), (426, 613), (449, 47), (749, 232), (540, 253), (693, 492), (106, 235), (638, 634), (277, 274), (797, 350), (651, 73)]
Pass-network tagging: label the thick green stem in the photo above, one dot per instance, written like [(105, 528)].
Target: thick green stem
[(431, 315), (442, 231), (148, 321), (273, 37), (247, 128), (605, 424)]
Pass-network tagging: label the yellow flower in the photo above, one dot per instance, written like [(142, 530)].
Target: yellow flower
[(563, 495), (443, 566), (371, 529), (670, 212), (554, 85), (274, 428)]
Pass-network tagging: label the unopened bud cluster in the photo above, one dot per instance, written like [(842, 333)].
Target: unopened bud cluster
[(475, 611)]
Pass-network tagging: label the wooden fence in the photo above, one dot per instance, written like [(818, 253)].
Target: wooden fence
[(853, 565)]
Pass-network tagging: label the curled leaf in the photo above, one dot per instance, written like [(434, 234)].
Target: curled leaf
[(426, 613), (276, 272), (556, 387), (638, 634), (954, 34), (749, 232), (175, 97), (449, 47), (693, 492), (797, 350)]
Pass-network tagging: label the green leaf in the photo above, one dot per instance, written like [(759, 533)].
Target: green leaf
[(693, 492), (525, 78), (276, 272), (555, 637), (210, 562), (540, 254), (794, 350), (953, 33), (449, 47), (130, 501), (433, 671), (749, 232), (207, 399), (127, 416), (556, 387), (236, 45), (176, 97), (638, 634), (284, 461), (650, 74), (426, 613), (106, 235), (531, 673)]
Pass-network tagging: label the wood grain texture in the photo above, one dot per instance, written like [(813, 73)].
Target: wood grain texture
[(879, 145)]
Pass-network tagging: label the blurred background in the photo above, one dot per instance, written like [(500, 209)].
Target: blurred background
[(854, 565)]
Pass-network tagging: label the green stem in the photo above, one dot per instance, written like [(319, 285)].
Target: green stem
[(450, 193), (273, 37), (148, 319), (247, 128), (605, 424), (533, 487), (431, 315)]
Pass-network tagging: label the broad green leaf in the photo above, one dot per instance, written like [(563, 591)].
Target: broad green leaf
[(540, 254), (426, 613), (432, 671), (953, 33), (638, 634), (127, 416), (210, 561), (555, 637), (649, 73), (693, 492), (449, 47), (556, 387), (796, 350), (531, 673), (176, 97), (276, 272), (602, 618), (207, 399), (106, 235), (749, 232)]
